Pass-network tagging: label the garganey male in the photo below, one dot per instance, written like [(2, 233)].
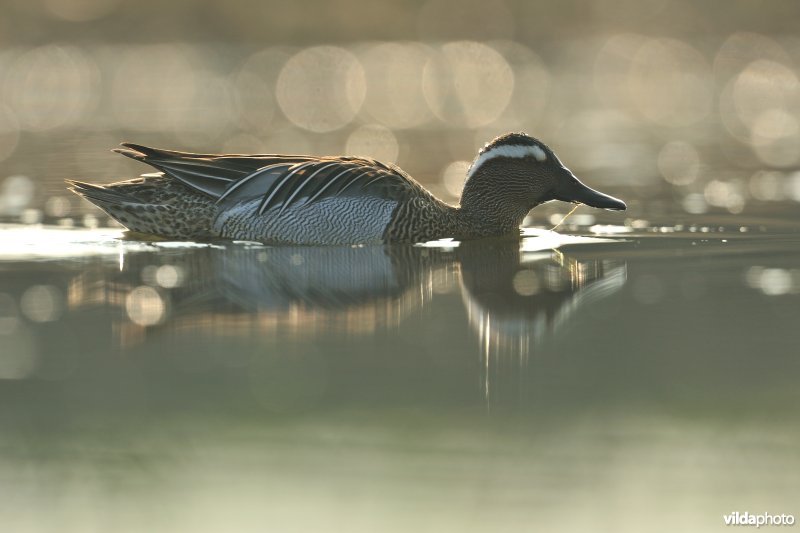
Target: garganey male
[(311, 200)]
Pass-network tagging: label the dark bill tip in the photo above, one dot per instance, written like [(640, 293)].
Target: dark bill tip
[(604, 201), (576, 192)]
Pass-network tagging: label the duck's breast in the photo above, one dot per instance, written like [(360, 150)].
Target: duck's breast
[(335, 220)]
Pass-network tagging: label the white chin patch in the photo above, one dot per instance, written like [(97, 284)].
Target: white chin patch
[(517, 150)]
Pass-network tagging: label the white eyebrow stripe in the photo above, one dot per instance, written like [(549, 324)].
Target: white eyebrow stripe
[(514, 150)]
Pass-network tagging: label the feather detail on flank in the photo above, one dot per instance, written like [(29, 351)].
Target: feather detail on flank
[(292, 171), (260, 172), (504, 150)]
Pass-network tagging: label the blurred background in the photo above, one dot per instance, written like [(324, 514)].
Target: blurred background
[(640, 376), (675, 106)]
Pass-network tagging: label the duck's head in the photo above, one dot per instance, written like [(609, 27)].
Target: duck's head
[(516, 172)]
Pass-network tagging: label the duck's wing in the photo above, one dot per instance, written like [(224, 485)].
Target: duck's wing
[(209, 174), (284, 185), (280, 181)]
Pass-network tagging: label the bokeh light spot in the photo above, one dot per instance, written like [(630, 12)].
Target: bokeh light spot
[(42, 303), (792, 187), (322, 88), (373, 141), (394, 84), (775, 136), (526, 282), (145, 306), (90, 221), (754, 104), (255, 88), (742, 48), (453, 177), (774, 124), (210, 113), (57, 206), (31, 216), (671, 83), (531, 94), (775, 281), (169, 276), (16, 194), (50, 87), (612, 65), (767, 185), (724, 194), (140, 100), (679, 163), (761, 86), (468, 84)]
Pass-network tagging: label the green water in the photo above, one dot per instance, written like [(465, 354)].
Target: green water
[(628, 379)]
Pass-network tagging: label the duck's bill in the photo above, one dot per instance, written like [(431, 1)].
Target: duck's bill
[(572, 190)]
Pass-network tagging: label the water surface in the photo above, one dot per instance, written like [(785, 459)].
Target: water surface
[(618, 379)]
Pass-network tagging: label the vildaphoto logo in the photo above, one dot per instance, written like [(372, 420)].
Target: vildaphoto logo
[(764, 519)]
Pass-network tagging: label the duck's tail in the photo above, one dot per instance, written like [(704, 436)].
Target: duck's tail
[(152, 205)]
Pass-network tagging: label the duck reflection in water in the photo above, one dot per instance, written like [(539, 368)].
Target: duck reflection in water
[(518, 296), (516, 293)]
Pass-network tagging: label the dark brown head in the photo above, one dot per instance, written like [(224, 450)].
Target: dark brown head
[(515, 172)]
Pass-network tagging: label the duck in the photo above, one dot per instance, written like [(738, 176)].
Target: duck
[(334, 200)]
